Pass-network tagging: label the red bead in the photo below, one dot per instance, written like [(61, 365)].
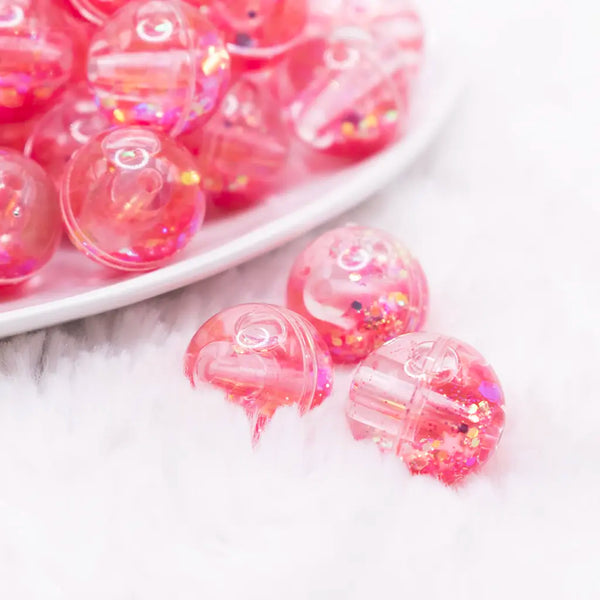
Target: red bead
[(38, 56), (243, 148), (131, 198), (158, 63), (97, 11), (65, 129), (30, 223)]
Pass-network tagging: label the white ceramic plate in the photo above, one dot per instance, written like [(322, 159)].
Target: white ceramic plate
[(72, 286)]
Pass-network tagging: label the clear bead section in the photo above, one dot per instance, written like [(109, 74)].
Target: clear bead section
[(359, 287), (158, 63), (131, 198), (264, 357), (30, 222), (432, 400)]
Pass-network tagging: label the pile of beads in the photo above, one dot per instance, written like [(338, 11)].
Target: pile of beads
[(143, 112), (356, 295)]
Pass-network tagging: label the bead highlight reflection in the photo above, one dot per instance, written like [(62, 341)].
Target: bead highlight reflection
[(264, 357), (158, 63), (30, 223), (359, 287), (432, 400), (131, 198)]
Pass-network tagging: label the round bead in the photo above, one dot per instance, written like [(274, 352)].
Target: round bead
[(64, 129), (97, 11), (346, 94), (30, 222), (37, 52), (158, 63), (131, 198), (432, 400), (360, 288), (264, 357), (243, 148), (258, 31)]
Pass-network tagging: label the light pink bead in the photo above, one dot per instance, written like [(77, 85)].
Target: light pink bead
[(131, 198), (37, 56), (243, 148), (396, 21), (30, 223), (264, 357), (346, 94), (258, 31), (360, 288), (158, 63), (432, 400), (73, 122)]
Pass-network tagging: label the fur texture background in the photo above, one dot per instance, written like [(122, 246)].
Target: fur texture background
[(119, 482)]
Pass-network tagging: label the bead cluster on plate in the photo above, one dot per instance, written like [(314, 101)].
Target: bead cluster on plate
[(143, 113)]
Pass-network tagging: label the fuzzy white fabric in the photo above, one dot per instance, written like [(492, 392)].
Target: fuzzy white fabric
[(119, 482)]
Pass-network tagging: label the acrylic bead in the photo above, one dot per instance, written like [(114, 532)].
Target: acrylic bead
[(264, 357), (346, 94), (258, 31), (432, 400), (158, 63), (243, 148), (30, 222), (38, 56), (360, 288), (131, 198), (71, 124), (97, 11)]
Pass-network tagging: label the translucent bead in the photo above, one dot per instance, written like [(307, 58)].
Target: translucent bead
[(264, 357), (131, 198), (158, 63), (243, 148), (346, 94), (71, 124), (432, 400), (30, 222), (395, 21), (258, 31), (360, 288), (37, 52), (97, 11)]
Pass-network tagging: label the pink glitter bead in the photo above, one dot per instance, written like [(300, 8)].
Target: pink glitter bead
[(264, 357), (30, 223), (63, 130), (158, 63), (37, 56), (432, 400), (258, 31), (391, 20), (243, 148), (131, 198), (346, 94), (360, 288), (97, 11)]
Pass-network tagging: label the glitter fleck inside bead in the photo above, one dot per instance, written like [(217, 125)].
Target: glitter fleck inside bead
[(30, 222), (346, 94), (131, 198), (264, 357), (359, 287), (432, 400), (158, 63), (243, 148), (37, 51)]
